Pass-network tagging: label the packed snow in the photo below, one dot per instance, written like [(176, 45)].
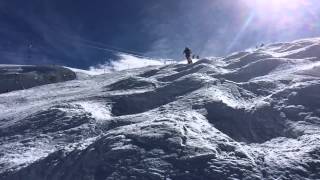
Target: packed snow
[(251, 115)]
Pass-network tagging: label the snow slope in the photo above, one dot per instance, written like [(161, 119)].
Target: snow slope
[(124, 62), (18, 77), (127, 61), (251, 115)]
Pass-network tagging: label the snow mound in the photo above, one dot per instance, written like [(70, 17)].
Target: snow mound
[(18, 77), (252, 115)]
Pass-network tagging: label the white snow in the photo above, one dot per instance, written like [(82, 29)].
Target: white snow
[(251, 115), (125, 62), (97, 110)]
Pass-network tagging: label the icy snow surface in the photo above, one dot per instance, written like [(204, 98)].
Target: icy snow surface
[(251, 115)]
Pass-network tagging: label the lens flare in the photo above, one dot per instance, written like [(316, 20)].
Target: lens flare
[(277, 6), (282, 14), (271, 20)]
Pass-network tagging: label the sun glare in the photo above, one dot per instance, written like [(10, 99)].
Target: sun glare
[(281, 12), (276, 6), (277, 18)]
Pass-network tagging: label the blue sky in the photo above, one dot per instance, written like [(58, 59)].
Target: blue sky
[(68, 32)]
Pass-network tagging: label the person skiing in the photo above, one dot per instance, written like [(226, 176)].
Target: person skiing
[(187, 52)]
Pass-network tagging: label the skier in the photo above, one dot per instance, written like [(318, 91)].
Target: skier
[(187, 52)]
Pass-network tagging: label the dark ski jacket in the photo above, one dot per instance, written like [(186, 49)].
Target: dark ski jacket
[(187, 52)]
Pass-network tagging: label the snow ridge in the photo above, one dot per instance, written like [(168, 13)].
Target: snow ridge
[(19, 77)]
